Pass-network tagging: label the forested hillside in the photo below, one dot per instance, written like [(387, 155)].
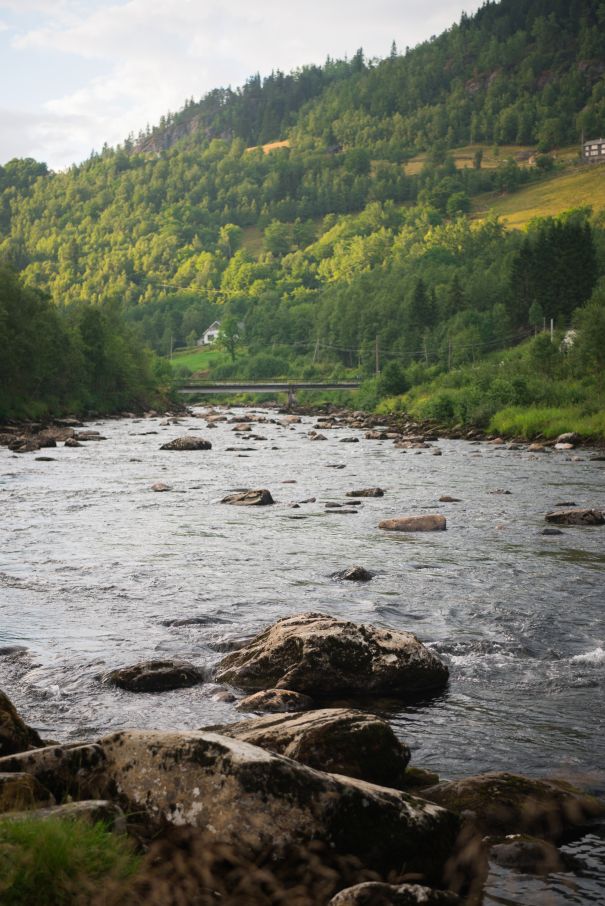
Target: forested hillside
[(332, 245)]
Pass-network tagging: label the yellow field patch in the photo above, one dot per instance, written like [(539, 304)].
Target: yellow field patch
[(583, 185)]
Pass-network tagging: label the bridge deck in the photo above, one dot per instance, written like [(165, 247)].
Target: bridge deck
[(264, 386)]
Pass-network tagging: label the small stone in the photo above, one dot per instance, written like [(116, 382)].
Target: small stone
[(160, 486), (447, 499), (551, 531), (576, 517), (259, 497), (366, 492), (276, 701), (354, 574), (155, 676), (72, 442), (431, 523), (527, 854), (187, 443)]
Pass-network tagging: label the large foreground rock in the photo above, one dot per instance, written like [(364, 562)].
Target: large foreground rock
[(431, 523), (187, 443), (576, 516), (15, 735), (376, 893), (276, 701), (323, 657), (155, 676), (244, 794), (76, 771), (502, 803), (338, 740), (90, 810)]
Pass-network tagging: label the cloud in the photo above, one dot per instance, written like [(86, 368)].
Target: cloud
[(153, 54)]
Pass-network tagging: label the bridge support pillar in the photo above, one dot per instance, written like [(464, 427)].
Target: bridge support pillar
[(291, 396)]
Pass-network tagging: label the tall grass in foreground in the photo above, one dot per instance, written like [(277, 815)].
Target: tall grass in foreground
[(55, 862)]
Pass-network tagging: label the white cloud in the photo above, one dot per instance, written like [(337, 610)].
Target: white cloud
[(155, 53)]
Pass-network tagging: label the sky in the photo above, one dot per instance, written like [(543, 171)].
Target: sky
[(77, 73)]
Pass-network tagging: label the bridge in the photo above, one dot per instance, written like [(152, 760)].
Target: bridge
[(289, 387)]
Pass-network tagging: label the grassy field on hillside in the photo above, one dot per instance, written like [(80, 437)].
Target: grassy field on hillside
[(570, 189), (464, 157), (199, 359)]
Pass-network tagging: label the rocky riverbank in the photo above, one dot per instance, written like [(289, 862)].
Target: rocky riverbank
[(336, 778)]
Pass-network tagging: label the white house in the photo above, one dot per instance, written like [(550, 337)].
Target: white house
[(210, 334), (594, 150)]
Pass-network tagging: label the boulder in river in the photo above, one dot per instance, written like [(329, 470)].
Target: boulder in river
[(366, 492), (15, 735), (377, 893), (155, 676), (258, 497), (576, 516), (430, 523), (323, 657), (276, 701), (527, 854), (354, 574), (502, 803), (338, 740), (569, 437), (159, 487), (246, 795), (186, 442)]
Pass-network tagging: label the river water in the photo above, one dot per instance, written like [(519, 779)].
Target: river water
[(95, 568)]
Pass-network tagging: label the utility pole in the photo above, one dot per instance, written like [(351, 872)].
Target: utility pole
[(316, 352), (552, 329), (377, 350)]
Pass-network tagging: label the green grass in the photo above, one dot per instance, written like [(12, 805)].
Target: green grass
[(548, 422), (56, 862), (464, 157), (580, 186), (200, 359)]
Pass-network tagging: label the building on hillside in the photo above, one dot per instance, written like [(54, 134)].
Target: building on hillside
[(594, 150), (210, 334)]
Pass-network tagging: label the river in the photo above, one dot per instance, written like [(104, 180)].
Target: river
[(95, 568)]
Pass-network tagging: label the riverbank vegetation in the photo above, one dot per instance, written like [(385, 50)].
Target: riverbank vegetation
[(56, 361)]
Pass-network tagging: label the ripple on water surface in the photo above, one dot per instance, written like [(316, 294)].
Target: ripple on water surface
[(97, 570)]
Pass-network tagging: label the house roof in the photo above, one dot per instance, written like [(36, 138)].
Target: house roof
[(212, 326)]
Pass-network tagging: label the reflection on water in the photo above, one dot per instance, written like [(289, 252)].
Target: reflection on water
[(96, 570)]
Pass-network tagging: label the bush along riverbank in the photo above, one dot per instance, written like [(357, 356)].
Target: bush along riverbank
[(312, 803)]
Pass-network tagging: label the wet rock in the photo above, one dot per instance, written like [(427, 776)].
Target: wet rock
[(159, 486), (527, 854), (349, 440), (366, 492), (576, 517), (354, 574), (447, 499), (324, 657), (418, 779), (338, 740), (377, 893), (89, 436), (500, 492), (551, 531), (259, 497), (340, 511), (187, 443), (309, 500), (502, 803), (246, 795), (317, 437), (22, 791), (277, 701), (68, 770), (155, 676), (72, 442), (431, 523), (564, 446), (15, 735), (570, 437), (537, 448), (45, 459)]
